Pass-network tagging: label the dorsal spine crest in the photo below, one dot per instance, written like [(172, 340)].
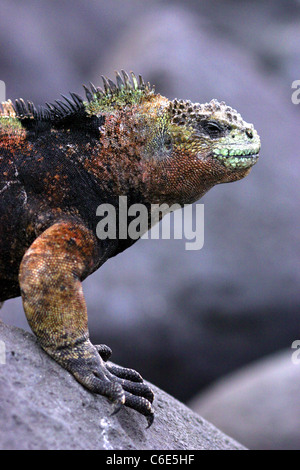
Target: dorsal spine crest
[(126, 90)]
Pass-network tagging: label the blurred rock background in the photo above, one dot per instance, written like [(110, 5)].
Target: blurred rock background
[(259, 403), (185, 318)]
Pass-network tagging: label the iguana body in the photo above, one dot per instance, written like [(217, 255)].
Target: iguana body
[(58, 164)]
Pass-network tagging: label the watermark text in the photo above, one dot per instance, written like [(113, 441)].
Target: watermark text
[(296, 93), (2, 91), (2, 352), (296, 354), (133, 222)]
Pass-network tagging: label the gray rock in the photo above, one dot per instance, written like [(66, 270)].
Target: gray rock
[(259, 405), (43, 407)]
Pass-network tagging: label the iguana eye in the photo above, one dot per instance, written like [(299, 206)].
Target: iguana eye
[(212, 128)]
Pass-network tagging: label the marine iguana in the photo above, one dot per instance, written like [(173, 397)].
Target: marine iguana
[(59, 162)]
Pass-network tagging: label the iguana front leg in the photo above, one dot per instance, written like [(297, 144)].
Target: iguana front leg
[(50, 281)]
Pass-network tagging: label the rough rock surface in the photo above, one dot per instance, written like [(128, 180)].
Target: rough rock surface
[(259, 405), (43, 407)]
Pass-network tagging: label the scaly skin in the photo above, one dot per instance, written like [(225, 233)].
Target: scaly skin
[(58, 164)]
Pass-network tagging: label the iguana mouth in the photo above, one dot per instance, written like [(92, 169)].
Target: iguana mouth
[(237, 160)]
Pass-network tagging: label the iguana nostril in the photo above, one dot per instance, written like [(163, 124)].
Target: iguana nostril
[(249, 133)]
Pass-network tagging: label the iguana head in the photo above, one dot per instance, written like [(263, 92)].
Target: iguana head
[(197, 146), (217, 131)]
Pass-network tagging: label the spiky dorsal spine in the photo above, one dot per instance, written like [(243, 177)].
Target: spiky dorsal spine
[(74, 106), (127, 90)]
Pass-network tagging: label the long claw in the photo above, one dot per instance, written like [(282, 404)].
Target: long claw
[(116, 408), (150, 419), (140, 404)]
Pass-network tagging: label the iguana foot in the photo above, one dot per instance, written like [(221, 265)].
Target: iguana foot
[(138, 395), (122, 386)]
